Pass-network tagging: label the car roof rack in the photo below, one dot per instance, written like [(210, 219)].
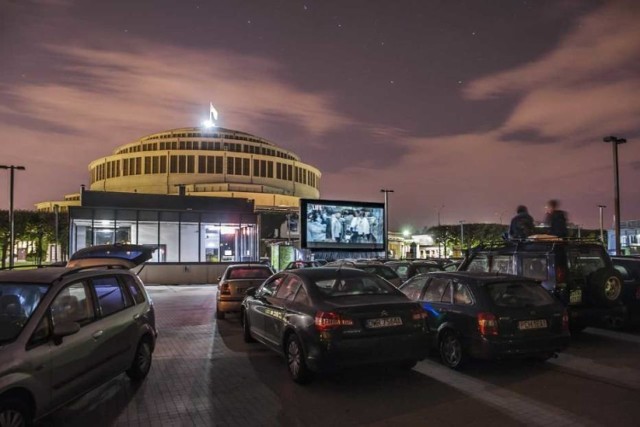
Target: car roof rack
[(93, 267)]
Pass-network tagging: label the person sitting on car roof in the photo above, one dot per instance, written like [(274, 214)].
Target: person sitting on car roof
[(556, 220), (522, 224)]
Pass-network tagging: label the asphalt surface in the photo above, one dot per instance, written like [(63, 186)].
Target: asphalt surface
[(203, 374)]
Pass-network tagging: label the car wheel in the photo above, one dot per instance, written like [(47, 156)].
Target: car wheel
[(296, 362), (451, 351), (606, 286), (219, 314), (246, 329), (15, 413), (142, 361)]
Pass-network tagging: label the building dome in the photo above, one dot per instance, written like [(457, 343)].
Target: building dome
[(207, 162)]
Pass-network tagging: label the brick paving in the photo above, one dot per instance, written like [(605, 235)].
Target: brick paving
[(203, 374)]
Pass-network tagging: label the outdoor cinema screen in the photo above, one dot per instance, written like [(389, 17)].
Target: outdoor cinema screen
[(329, 224)]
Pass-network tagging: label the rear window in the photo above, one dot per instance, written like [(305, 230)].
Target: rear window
[(350, 286), (384, 272), (249, 273), (519, 294), (427, 268), (585, 260)]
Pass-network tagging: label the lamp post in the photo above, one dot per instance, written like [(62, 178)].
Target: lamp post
[(386, 220), (601, 208), (12, 237), (615, 141), (56, 211), (461, 234), (439, 209)]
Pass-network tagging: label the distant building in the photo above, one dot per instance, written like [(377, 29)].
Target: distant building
[(629, 238), (204, 162)]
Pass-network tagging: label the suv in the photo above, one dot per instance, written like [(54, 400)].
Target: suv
[(66, 330), (578, 273)]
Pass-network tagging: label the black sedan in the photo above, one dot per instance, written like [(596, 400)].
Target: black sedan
[(487, 316), (328, 318)]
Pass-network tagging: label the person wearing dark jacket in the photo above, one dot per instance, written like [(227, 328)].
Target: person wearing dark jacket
[(556, 220), (522, 224)]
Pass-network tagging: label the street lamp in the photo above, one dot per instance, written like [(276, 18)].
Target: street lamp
[(601, 207), (439, 209), (615, 141), (386, 220), (56, 211), (12, 237), (461, 234)]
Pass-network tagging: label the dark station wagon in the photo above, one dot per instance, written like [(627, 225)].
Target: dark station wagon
[(489, 316)]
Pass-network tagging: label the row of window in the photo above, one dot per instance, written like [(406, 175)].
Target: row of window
[(205, 165), (207, 145)]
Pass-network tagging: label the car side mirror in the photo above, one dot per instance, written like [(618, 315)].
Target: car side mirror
[(219, 279), (64, 330), (251, 292)]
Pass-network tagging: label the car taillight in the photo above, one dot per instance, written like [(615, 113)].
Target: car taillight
[(326, 320), (565, 321), (487, 324), (224, 289), (561, 275), (418, 314)]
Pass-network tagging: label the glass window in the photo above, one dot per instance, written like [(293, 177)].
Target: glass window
[(269, 289), (519, 294), (446, 295), (355, 285), (249, 273), (163, 164), (435, 290), (502, 264), (218, 164), (585, 260), (289, 288), (238, 165), (72, 304), (111, 298), (190, 164), (245, 167), (413, 288), (230, 169), (134, 288), (479, 263), (535, 267), (302, 297), (17, 302), (174, 164), (256, 167), (462, 295)]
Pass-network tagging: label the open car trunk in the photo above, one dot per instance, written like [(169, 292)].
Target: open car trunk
[(128, 256)]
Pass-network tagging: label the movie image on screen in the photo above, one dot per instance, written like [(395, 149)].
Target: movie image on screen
[(342, 225)]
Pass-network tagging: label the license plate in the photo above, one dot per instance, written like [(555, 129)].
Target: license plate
[(524, 325), (384, 322), (575, 297)]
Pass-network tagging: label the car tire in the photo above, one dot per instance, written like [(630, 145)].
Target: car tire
[(606, 286), (219, 313), (296, 363), (141, 361), (451, 352), (246, 328), (15, 412)]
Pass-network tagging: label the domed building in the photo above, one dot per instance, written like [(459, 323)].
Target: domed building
[(201, 194), (207, 162)]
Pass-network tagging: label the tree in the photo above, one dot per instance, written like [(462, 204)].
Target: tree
[(474, 235)]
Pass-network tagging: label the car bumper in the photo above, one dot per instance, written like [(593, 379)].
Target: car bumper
[(228, 305), (596, 316), (487, 348), (322, 356)]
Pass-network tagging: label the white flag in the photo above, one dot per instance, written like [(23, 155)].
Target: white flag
[(213, 113)]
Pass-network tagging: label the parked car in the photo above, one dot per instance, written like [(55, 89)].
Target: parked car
[(66, 330), (330, 318), (629, 268), (489, 316), (578, 273), (293, 265), (384, 271), (233, 284), (408, 269)]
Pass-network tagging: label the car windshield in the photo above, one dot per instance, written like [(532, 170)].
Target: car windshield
[(17, 302), (249, 273), (355, 285), (519, 294), (427, 268)]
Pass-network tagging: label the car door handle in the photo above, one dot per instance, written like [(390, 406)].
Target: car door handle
[(97, 335)]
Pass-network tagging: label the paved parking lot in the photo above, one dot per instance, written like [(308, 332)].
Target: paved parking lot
[(203, 374)]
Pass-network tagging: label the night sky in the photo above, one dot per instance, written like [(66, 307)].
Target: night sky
[(464, 107)]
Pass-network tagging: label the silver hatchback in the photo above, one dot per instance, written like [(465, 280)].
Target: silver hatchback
[(66, 330)]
